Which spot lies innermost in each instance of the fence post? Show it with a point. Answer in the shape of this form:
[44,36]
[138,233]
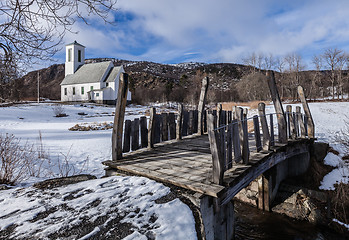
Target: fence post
[179,122]
[119,117]
[219,115]
[282,127]
[264,123]
[310,121]
[127,134]
[151,127]
[135,134]
[201,107]
[164,129]
[217,155]
[243,133]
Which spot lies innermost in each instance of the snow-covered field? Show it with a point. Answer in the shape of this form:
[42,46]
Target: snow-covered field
[29,121]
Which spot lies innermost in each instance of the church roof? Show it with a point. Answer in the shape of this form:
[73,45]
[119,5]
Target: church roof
[88,73]
[75,43]
[113,74]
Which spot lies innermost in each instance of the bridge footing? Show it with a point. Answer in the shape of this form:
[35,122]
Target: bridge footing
[218,221]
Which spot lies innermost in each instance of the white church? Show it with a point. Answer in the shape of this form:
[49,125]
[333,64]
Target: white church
[95,82]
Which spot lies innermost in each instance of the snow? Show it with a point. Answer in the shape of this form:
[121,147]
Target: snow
[339,222]
[125,199]
[174,220]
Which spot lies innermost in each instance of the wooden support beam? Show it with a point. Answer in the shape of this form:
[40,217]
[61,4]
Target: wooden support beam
[310,121]
[201,106]
[272,135]
[217,155]
[151,128]
[179,122]
[264,123]
[282,126]
[119,117]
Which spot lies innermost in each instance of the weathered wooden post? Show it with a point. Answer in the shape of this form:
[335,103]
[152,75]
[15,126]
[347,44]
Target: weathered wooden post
[179,122]
[219,115]
[119,117]
[151,127]
[127,136]
[282,125]
[310,121]
[144,132]
[243,133]
[216,150]
[292,128]
[135,134]
[264,123]
[201,106]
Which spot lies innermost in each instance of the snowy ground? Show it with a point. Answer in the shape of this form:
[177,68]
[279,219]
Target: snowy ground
[20,206]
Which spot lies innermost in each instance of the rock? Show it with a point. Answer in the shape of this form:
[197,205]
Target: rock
[4,187]
[58,182]
[303,205]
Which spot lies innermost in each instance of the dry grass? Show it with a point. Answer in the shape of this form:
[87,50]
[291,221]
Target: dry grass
[228,106]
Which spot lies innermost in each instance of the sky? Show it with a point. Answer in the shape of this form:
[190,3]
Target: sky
[215,31]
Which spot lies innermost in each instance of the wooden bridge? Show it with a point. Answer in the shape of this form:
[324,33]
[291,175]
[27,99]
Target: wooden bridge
[213,152]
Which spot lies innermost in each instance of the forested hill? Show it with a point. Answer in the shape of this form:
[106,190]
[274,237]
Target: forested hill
[151,82]
[145,78]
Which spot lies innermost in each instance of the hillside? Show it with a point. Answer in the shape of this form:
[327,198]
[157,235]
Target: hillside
[145,79]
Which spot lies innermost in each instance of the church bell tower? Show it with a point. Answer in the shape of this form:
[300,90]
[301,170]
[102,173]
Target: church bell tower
[74,57]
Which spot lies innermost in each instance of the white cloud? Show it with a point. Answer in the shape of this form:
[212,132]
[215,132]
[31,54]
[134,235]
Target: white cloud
[221,30]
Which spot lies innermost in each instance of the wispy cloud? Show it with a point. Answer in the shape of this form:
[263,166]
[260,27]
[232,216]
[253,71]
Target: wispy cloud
[217,31]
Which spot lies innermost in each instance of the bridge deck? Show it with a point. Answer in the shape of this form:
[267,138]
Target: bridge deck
[186,163]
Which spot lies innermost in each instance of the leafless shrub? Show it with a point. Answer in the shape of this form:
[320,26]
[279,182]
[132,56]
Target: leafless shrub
[16,159]
[67,168]
[59,111]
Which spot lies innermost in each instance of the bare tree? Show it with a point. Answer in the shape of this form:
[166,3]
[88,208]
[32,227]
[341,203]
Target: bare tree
[32,29]
[316,79]
[332,58]
[269,61]
[295,66]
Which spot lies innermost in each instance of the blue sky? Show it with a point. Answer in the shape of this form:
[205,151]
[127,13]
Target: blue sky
[212,31]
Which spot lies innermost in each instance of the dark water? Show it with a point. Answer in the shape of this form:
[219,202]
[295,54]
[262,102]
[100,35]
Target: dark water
[250,223]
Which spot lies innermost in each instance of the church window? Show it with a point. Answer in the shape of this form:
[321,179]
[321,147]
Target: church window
[82,90]
[65,91]
[73,90]
[69,55]
[79,55]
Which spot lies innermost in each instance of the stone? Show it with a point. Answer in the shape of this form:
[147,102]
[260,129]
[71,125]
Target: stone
[58,182]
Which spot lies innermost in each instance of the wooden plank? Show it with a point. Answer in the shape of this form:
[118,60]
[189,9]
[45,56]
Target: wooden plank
[172,125]
[164,127]
[205,121]
[119,117]
[236,141]
[135,134]
[151,129]
[179,122]
[245,145]
[201,106]
[300,122]
[229,139]
[217,155]
[292,128]
[264,123]
[185,123]
[219,115]
[229,117]
[195,122]
[191,122]
[272,136]
[144,132]
[157,128]
[310,121]
[127,136]
[257,133]
[282,126]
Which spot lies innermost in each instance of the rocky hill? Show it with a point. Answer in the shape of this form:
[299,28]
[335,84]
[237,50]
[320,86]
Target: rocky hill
[149,81]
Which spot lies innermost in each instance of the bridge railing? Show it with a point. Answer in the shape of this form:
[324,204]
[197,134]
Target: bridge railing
[233,139]
[144,132]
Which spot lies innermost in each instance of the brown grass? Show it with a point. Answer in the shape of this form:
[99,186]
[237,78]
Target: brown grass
[228,106]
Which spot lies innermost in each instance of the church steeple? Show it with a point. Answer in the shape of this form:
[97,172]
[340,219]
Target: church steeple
[74,57]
